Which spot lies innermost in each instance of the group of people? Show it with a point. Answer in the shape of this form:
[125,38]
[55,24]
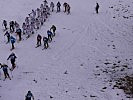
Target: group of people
[65,5]
[14,27]
[66,8]
[32,22]
[36,19]
[46,40]
[5,68]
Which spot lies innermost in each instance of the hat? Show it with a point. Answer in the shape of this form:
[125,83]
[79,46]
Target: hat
[29,91]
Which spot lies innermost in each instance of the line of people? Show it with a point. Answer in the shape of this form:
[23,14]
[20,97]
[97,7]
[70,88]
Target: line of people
[14,27]
[65,5]
[36,19]
[32,23]
[46,40]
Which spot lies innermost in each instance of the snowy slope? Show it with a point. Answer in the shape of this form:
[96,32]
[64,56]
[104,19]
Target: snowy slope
[83,41]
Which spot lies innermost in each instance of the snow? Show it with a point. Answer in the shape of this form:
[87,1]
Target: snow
[83,41]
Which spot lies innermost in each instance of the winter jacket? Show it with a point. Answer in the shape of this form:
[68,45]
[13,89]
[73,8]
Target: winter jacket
[12,39]
[49,32]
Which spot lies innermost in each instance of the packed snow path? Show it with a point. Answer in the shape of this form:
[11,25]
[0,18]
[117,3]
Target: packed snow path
[65,71]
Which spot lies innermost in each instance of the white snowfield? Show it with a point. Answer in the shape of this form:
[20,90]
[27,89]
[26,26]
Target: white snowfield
[66,70]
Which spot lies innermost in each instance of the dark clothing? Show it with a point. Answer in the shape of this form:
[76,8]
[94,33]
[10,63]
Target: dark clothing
[12,58]
[13,47]
[5,70]
[45,40]
[29,96]
[8,36]
[54,29]
[13,40]
[19,32]
[39,38]
[65,6]
[49,35]
[97,7]
[12,26]
[52,6]
[68,8]
[58,7]
[5,24]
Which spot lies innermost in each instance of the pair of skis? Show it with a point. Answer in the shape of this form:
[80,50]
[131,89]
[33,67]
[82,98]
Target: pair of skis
[39,46]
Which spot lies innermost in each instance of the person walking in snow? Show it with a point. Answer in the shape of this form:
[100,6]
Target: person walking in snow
[24,28]
[16,25]
[32,27]
[38,12]
[8,36]
[28,31]
[11,26]
[5,24]
[48,10]
[58,6]
[5,70]
[27,21]
[19,32]
[52,6]
[65,6]
[29,96]
[45,41]
[12,58]
[68,8]
[97,8]
[53,28]
[45,3]
[41,7]
[49,33]
[33,13]
[37,23]
[41,19]
[45,14]
[13,40]
[39,38]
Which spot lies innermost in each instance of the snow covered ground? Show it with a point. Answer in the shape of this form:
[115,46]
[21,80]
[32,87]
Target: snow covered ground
[71,68]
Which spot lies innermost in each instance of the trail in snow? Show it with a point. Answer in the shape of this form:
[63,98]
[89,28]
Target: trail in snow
[81,44]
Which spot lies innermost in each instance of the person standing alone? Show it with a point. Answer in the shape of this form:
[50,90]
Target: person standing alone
[97,8]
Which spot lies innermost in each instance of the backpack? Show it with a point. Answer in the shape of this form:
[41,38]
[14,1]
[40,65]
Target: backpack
[45,39]
[13,40]
[49,32]
[5,68]
[28,96]
[19,30]
[12,58]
